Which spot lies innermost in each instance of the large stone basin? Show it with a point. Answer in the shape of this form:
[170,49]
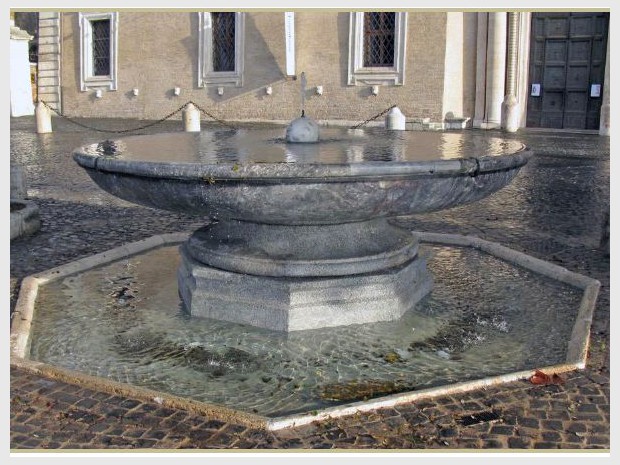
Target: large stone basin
[301,237]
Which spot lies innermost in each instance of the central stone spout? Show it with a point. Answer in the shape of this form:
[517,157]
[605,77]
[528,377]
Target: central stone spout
[302,129]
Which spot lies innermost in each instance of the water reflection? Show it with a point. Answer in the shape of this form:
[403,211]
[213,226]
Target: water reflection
[337,145]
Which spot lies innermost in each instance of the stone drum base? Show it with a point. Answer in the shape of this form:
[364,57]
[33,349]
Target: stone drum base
[299,303]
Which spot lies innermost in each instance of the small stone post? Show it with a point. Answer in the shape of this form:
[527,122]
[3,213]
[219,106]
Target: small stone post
[395,120]
[191,118]
[43,118]
[18,185]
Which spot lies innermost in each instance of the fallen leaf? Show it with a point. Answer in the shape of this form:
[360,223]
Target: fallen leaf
[541,378]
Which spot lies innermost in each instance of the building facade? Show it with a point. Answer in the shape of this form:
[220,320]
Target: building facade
[442,69]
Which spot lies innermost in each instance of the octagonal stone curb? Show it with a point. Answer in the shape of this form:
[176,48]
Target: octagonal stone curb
[24,313]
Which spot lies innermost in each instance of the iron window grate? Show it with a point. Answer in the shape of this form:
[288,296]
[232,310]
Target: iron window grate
[223,41]
[379,35]
[101,47]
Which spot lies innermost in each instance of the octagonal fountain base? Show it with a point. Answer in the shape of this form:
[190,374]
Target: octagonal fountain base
[292,304]
[290,278]
[113,322]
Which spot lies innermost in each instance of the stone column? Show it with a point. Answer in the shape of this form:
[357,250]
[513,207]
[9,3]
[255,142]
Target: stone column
[481,66]
[510,106]
[20,86]
[496,68]
[605,109]
[490,79]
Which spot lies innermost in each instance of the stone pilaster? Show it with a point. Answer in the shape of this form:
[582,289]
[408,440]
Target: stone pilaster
[491,69]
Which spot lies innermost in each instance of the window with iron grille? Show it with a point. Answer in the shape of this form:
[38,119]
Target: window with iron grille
[221,39]
[377,48]
[99,49]
[379,39]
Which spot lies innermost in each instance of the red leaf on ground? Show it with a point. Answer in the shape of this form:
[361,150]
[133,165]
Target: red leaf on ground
[540,378]
[543,378]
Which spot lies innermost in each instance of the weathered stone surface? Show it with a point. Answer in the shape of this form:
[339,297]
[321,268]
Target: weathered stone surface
[303,194]
[292,304]
[303,251]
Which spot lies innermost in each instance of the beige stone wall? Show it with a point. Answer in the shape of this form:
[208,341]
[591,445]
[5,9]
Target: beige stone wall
[158,51]
[460,64]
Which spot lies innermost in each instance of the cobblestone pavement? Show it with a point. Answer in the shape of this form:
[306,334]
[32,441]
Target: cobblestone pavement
[553,210]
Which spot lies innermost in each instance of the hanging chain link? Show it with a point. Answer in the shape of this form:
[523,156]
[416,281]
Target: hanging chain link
[139,128]
[206,113]
[364,123]
[181,108]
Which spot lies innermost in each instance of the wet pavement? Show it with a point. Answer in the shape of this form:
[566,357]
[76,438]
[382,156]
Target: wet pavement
[553,210]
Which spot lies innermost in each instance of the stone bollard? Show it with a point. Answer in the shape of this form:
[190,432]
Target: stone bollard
[395,120]
[191,118]
[43,118]
[18,185]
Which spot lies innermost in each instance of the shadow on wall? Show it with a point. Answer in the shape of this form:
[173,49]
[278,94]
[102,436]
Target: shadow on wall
[191,45]
[343,46]
[261,69]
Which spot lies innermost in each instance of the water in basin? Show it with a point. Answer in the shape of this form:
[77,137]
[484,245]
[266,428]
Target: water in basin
[336,145]
[124,321]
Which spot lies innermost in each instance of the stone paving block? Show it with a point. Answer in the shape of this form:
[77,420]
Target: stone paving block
[505,430]
[558,415]
[234,429]
[576,427]
[553,425]
[518,443]
[599,440]
[126,403]
[213,424]
[86,403]
[551,436]
[594,417]
[493,444]
[546,445]
[134,433]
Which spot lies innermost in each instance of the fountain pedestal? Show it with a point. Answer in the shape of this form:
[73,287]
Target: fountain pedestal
[289,278]
[301,242]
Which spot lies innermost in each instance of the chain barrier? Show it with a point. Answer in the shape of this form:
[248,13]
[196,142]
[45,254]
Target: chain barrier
[181,108]
[364,123]
[206,113]
[140,128]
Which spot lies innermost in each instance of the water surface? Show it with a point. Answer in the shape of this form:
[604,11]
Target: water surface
[125,322]
[336,145]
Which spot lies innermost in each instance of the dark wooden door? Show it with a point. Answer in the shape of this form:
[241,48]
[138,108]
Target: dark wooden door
[567,69]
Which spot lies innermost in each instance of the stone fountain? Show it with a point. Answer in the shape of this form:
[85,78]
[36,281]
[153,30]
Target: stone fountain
[299,239]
